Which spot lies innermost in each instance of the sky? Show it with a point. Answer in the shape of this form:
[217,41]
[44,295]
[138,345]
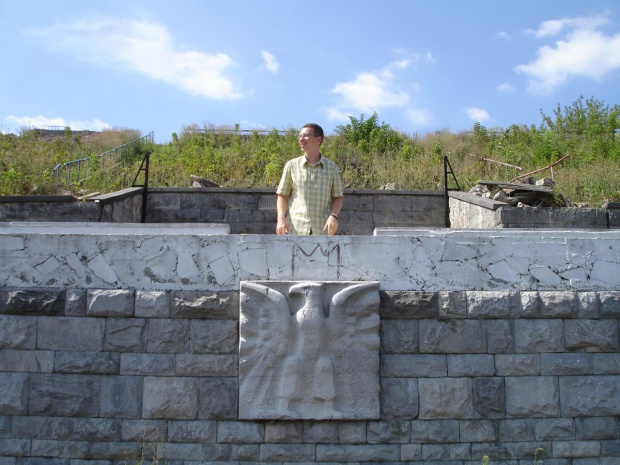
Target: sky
[422,65]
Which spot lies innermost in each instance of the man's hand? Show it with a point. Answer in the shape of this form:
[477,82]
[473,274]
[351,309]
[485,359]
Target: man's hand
[281,228]
[331,226]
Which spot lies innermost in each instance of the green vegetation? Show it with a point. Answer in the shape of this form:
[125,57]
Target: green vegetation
[370,154]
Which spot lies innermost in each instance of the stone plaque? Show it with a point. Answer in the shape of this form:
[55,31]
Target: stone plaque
[309,350]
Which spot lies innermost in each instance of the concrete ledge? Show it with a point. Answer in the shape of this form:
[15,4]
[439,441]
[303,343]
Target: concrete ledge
[476,200]
[116,196]
[105,229]
[36,198]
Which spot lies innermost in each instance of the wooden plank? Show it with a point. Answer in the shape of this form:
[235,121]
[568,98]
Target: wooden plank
[517,186]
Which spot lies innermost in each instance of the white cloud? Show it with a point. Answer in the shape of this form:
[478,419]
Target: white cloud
[144,48]
[583,51]
[478,114]
[504,35]
[43,121]
[271,63]
[419,117]
[505,87]
[370,91]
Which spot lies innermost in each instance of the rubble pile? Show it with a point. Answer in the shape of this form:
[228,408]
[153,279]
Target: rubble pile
[530,193]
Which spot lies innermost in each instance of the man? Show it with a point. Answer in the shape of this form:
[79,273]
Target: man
[310,188]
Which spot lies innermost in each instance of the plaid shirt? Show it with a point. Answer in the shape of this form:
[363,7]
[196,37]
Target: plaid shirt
[310,190]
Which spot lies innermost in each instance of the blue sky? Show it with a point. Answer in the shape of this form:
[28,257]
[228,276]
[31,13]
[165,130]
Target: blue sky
[422,66]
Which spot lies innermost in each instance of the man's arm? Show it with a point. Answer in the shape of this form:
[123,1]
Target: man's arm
[331,225]
[281,206]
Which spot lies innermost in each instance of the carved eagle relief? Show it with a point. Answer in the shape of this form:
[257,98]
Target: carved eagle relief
[309,350]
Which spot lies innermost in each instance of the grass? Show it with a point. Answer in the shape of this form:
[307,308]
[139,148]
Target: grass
[256,161]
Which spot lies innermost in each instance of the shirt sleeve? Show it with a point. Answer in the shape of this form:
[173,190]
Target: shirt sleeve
[337,190]
[286,182]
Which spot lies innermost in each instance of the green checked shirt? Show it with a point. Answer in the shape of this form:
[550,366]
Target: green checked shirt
[310,190]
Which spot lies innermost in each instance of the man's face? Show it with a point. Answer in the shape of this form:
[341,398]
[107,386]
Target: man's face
[307,140]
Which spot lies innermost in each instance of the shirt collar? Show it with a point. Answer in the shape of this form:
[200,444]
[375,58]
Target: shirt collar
[306,162]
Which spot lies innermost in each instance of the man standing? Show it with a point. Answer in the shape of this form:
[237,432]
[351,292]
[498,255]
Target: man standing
[310,188]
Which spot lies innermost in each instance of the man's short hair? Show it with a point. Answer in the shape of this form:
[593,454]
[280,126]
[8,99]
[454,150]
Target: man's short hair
[318,130]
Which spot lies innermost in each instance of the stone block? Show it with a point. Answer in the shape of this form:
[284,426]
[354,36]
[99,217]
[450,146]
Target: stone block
[214,336]
[5,426]
[413,366]
[609,304]
[532,396]
[443,398]
[70,333]
[44,448]
[552,429]
[144,431]
[357,453]
[452,336]
[206,365]
[590,395]
[32,302]
[518,429]
[500,336]
[182,452]
[287,452]
[75,302]
[435,453]
[125,334]
[14,389]
[96,363]
[530,304]
[409,304]
[526,452]
[15,447]
[18,332]
[218,398]
[29,361]
[388,432]
[606,364]
[399,398]
[411,452]
[320,432]
[452,304]
[27,427]
[152,304]
[610,448]
[566,364]
[596,428]
[322,363]
[110,302]
[537,336]
[434,431]
[147,364]
[286,432]
[558,304]
[591,335]
[399,337]
[192,431]
[217,453]
[64,395]
[201,304]
[87,429]
[478,431]
[121,397]
[350,432]
[517,364]
[471,365]
[489,398]
[170,398]
[238,432]
[460,452]
[493,304]
[571,449]
[587,305]
[168,336]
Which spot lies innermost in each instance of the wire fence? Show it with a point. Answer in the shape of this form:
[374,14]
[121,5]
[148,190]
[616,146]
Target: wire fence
[78,170]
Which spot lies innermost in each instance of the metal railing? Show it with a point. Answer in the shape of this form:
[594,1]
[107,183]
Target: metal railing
[73,170]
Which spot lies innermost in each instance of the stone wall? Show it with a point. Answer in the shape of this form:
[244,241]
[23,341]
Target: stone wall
[472,211]
[491,343]
[87,374]
[253,211]
[124,206]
